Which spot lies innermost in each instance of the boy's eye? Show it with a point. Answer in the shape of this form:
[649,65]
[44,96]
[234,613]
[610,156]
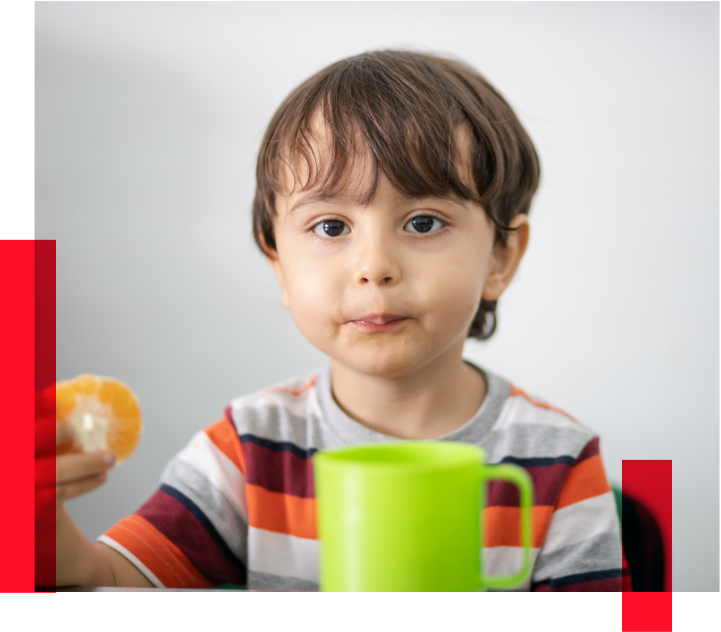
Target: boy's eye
[424,224]
[331,228]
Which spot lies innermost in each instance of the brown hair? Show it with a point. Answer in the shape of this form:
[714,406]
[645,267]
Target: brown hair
[405,107]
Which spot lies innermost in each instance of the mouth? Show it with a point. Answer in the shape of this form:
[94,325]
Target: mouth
[378,322]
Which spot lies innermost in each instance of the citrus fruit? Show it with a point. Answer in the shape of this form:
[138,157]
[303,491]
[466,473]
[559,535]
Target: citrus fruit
[103,412]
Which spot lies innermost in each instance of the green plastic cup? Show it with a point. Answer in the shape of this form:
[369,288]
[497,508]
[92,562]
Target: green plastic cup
[407,517]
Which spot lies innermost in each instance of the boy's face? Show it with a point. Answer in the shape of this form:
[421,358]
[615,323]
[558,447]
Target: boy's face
[388,288]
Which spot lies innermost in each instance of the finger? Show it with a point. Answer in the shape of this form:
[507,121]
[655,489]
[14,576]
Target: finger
[65,438]
[72,467]
[63,433]
[79,487]
[67,447]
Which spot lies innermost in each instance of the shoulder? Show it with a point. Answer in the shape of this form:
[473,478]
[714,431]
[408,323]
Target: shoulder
[522,407]
[278,413]
[275,417]
[286,392]
[530,426]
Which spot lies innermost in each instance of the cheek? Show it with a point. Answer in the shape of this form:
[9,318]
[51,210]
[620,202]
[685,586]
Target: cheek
[312,294]
[456,293]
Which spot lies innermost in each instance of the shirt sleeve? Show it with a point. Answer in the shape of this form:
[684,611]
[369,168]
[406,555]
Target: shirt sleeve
[192,532]
[582,548]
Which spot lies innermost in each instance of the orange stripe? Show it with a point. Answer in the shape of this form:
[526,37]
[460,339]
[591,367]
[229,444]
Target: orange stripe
[503,525]
[295,393]
[226,439]
[281,513]
[165,560]
[585,480]
[515,391]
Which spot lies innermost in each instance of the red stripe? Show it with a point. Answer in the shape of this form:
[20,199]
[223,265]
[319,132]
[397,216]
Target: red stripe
[591,449]
[171,518]
[547,481]
[278,470]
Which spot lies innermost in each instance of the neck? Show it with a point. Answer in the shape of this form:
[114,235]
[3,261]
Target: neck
[426,404]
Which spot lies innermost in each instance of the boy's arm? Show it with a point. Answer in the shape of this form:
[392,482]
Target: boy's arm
[79,562]
[124,571]
[582,546]
[192,532]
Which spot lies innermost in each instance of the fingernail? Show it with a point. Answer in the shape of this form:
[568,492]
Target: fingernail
[109,458]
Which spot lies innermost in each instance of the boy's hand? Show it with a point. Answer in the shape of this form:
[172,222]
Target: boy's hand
[67,471]
[63,554]
[76,472]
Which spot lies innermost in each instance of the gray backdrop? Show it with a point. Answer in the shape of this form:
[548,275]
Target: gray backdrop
[149,117]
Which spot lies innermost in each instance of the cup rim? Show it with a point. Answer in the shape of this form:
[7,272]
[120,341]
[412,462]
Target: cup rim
[448,455]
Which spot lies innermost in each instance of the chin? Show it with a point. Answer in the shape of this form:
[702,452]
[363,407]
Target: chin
[387,363]
[381,355]
[386,370]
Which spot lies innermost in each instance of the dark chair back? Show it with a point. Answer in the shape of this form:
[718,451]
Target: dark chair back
[642,544]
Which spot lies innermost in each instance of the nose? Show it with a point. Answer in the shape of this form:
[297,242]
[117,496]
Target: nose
[377,262]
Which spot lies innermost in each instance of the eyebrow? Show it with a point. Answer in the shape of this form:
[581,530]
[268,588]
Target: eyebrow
[320,197]
[314,197]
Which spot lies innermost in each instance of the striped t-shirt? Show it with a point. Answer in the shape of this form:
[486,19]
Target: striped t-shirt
[237,505]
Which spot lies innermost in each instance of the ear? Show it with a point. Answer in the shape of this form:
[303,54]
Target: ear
[273,259]
[505,259]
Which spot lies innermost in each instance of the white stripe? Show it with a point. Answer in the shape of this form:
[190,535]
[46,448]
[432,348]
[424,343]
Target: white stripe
[506,561]
[518,410]
[208,459]
[295,406]
[141,567]
[298,406]
[282,554]
[581,521]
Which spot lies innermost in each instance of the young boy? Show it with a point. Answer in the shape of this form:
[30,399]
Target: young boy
[392,197]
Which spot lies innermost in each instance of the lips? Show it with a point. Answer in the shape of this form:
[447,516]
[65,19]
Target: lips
[379,322]
[379,319]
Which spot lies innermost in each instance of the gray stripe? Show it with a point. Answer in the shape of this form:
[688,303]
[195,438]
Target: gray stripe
[536,441]
[221,513]
[594,554]
[266,581]
[276,423]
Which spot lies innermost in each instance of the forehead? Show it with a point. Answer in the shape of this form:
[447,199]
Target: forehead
[318,171]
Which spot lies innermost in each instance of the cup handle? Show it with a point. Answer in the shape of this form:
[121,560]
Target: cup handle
[519,477]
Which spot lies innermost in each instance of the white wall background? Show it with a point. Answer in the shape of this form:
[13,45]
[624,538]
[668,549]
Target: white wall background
[148,120]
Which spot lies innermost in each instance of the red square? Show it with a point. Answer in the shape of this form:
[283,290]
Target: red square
[646,612]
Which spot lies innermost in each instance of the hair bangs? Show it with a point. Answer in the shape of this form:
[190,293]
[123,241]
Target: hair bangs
[348,138]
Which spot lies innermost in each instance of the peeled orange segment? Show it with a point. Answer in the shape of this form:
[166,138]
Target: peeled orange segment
[103,412]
